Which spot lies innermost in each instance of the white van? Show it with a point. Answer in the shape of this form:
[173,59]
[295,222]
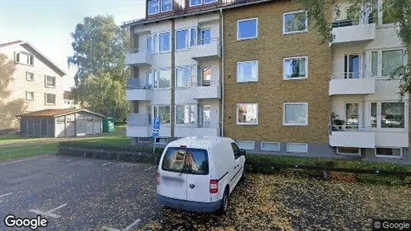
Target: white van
[199,173]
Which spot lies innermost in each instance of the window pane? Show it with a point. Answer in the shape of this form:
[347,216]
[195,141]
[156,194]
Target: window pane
[205,36]
[391,60]
[295,114]
[182,39]
[149,45]
[153,7]
[206,114]
[268,146]
[51,99]
[163,112]
[191,161]
[206,76]
[392,115]
[388,151]
[247,29]
[163,78]
[164,42]
[295,68]
[193,39]
[295,22]
[348,150]
[185,114]
[247,71]
[166,5]
[373,115]
[374,63]
[195,2]
[209,1]
[351,114]
[183,77]
[247,113]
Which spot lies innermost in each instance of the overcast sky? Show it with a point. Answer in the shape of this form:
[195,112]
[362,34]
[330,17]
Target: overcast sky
[47,24]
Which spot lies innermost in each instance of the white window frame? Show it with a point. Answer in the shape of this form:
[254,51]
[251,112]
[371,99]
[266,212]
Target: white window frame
[194,112]
[55,81]
[379,61]
[28,58]
[242,123]
[47,103]
[29,73]
[188,43]
[153,72]
[295,124]
[27,93]
[245,141]
[156,43]
[268,150]
[291,143]
[148,7]
[160,105]
[161,6]
[249,61]
[295,32]
[212,1]
[347,153]
[238,28]
[189,2]
[191,82]
[387,156]
[306,67]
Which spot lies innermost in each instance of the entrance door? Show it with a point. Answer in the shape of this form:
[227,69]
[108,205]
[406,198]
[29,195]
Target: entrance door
[352,66]
[352,115]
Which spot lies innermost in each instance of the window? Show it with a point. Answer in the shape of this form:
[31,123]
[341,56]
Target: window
[25,58]
[185,114]
[374,63]
[351,66]
[247,29]
[166,5]
[247,145]
[50,99]
[270,146]
[236,150]
[153,7]
[185,76]
[182,39]
[161,140]
[247,71]
[209,1]
[160,79]
[373,115]
[196,2]
[388,152]
[164,42]
[186,160]
[205,36]
[247,114]
[295,22]
[204,113]
[392,115]
[349,150]
[205,76]
[297,147]
[29,76]
[29,95]
[295,114]
[295,68]
[163,112]
[351,115]
[391,60]
[50,81]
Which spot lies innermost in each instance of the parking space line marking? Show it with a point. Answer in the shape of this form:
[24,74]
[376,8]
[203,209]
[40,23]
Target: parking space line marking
[69,160]
[106,163]
[132,225]
[149,168]
[17,161]
[5,194]
[48,213]
[109,229]
[61,206]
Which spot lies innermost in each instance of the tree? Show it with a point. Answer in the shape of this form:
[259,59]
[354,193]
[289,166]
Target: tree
[397,11]
[99,53]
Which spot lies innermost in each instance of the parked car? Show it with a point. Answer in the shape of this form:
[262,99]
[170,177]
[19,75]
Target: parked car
[199,173]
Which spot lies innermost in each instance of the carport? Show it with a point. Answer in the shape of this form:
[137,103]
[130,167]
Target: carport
[60,123]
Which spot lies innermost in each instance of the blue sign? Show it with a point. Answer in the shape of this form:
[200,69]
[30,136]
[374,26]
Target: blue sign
[156,127]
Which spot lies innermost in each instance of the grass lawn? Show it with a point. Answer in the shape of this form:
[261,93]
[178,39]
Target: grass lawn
[21,151]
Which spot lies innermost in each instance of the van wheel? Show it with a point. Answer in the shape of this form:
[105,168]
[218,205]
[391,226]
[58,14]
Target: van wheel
[224,203]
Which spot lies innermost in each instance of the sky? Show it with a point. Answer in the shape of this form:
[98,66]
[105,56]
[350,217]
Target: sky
[47,24]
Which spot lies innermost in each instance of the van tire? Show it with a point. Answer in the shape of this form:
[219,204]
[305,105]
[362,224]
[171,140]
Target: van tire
[224,203]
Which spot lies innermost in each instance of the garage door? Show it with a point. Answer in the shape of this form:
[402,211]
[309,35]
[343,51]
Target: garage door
[97,126]
[89,126]
[81,127]
[70,128]
[60,127]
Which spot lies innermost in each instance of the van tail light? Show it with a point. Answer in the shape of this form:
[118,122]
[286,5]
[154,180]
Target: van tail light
[213,186]
[158,178]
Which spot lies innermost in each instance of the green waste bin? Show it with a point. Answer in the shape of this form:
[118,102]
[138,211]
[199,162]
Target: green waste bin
[108,124]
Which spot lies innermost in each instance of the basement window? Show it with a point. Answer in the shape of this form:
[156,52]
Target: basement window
[247,145]
[348,150]
[388,152]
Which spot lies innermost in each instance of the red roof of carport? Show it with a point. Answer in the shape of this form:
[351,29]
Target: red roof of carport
[49,112]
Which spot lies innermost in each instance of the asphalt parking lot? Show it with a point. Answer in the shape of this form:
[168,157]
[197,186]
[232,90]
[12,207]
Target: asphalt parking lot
[78,193]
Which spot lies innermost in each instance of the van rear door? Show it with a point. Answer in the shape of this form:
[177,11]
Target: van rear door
[198,176]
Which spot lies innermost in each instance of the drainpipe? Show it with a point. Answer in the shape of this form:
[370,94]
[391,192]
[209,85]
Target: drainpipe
[222,71]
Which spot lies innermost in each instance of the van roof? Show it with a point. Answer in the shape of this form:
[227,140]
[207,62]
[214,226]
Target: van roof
[199,141]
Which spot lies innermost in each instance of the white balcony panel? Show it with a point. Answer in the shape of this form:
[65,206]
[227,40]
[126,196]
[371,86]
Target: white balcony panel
[352,139]
[207,50]
[184,131]
[184,96]
[139,94]
[139,58]
[391,139]
[139,131]
[358,86]
[354,33]
[207,92]
[161,97]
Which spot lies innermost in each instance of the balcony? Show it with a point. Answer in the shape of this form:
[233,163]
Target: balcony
[196,130]
[346,31]
[207,90]
[351,83]
[352,136]
[207,48]
[137,91]
[138,125]
[139,58]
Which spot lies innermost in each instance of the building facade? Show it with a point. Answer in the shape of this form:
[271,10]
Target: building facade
[284,91]
[36,84]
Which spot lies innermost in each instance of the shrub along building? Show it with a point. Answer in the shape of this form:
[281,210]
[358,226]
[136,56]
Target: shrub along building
[283,90]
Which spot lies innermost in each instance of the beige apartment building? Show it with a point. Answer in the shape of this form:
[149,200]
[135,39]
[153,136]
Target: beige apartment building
[36,84]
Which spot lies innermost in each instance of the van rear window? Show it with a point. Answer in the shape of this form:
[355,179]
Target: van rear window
[186,160]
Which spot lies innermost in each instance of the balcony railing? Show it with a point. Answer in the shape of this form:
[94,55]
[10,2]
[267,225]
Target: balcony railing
[206,48]
[350,128]
[351,75]
[349,83]
[138,120]
[135,83]
[139,57]
[352,22]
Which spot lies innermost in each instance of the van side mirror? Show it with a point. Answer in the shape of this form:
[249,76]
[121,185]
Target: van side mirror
[242,151]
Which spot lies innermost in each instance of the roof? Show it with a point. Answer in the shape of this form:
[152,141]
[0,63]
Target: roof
[199,141]
[56,112]
[31,47]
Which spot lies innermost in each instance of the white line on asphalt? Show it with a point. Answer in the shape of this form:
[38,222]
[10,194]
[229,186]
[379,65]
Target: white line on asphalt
[48,213]
[61,206]
[5,194]
[69,160]
[132,225]
[106,163]
[17,161]
[109,229]
[150,168]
